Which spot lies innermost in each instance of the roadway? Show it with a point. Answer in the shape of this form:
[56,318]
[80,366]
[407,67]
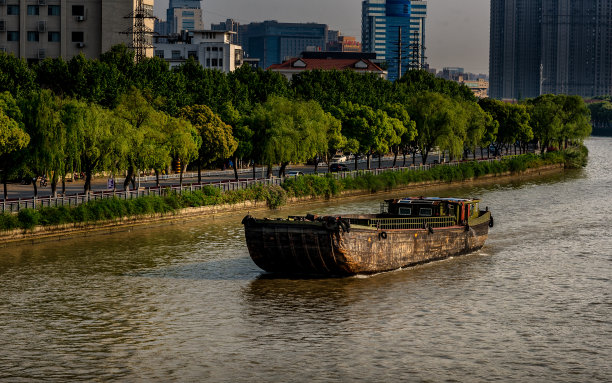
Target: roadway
[18,191]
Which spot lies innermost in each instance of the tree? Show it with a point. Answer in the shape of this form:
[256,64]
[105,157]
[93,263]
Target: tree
[373,129]
[136,110]
[182,140]
[241,133]
[399,112]
[576,119]
[289,131]
[417,81]
[12,136]
[514,122]
[41,117]
[218,143]
[436,116]
[477,121]
[332,88]
[15,76]
[546,119]
[100,137]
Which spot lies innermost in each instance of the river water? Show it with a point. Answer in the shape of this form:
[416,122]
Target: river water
[185,303]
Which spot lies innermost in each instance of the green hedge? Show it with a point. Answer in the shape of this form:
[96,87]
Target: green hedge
[276,196]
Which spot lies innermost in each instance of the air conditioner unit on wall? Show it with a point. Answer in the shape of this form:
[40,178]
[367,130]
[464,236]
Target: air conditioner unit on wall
[42,2]
[42,54]
[79,18]
[81,45]
[42,26]
[2,26]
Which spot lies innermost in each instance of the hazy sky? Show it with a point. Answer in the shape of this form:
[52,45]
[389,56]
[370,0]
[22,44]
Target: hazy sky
[457,30]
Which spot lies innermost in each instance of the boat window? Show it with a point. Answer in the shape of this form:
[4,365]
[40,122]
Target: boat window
[425,212]
[405,211]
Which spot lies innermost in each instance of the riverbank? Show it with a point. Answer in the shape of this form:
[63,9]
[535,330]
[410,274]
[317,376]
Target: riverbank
[40,234]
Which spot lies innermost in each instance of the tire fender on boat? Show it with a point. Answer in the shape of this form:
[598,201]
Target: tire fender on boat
[382,235]
[491,222]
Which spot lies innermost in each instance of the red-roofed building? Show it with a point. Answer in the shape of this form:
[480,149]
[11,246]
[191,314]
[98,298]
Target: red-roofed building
[297,65]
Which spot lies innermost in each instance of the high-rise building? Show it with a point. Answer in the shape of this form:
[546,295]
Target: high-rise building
[273,42]
[577,47]
[34,30]
[514,56]
[183,15]
[395,31]
[550,46]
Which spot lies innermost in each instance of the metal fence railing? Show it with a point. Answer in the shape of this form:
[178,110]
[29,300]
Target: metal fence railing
[404,223]
[13,206]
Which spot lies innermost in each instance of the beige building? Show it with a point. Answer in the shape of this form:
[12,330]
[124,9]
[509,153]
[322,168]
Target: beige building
[37,29]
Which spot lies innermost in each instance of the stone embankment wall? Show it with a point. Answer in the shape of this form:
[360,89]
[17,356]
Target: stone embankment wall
[59,232]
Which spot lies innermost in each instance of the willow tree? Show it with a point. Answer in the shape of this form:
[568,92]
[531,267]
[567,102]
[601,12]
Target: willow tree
[288,131]
[217,141]
[12,139]
[46,152]
[439,122]
[181,141]
[140,115]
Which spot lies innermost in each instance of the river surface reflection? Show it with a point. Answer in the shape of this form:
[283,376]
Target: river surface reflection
[185,303]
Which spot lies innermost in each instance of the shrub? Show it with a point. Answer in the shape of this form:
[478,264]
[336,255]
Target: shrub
[8,221]
[277,197]
[28,218]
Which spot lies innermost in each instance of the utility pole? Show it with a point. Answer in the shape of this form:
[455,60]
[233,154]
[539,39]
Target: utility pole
[416,58]
[141,34]
[399,53]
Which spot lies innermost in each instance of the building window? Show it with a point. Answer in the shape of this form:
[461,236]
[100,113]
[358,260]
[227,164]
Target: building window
[215,49]
[33,36]
[54,10]
[12,10]
[12,36]
[33,10]
[207,49]
[208,62]
[220,62]
[176,55]
[53,37]
[220,49]
[214,62]
[193,54]
[159,53]
[78,10]
[78,37]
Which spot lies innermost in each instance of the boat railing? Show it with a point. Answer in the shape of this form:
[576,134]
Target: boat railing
[404,223]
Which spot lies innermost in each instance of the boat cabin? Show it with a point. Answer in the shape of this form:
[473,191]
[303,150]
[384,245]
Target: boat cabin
[422,207]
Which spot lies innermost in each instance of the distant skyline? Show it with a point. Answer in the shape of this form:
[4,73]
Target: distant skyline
[457,31]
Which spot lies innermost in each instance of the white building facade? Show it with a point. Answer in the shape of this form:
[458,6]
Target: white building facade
[212,49]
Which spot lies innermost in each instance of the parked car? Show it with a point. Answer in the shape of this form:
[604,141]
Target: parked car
[338,168]
[294,173]
[338,158]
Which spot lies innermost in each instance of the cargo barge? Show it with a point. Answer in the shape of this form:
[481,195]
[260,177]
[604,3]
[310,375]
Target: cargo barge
[406,232]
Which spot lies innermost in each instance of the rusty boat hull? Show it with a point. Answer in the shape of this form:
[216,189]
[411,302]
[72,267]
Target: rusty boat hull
[313,248]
